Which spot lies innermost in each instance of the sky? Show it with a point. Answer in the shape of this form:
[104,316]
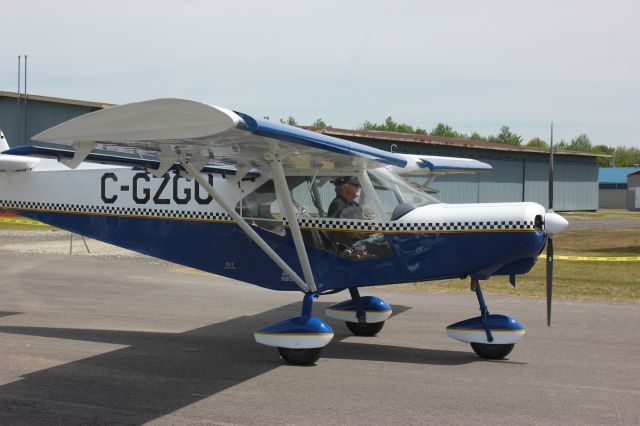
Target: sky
[474,65]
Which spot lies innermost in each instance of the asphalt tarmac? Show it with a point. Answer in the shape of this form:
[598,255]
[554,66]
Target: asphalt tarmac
[119,341]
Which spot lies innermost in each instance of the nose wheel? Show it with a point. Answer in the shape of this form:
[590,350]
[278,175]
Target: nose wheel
[365,329]
[489,351]
[363,315]
[490,336]
[300,356]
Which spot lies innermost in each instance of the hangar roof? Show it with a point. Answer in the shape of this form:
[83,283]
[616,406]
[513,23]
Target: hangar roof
[57,100]
[439,140]
[615,174]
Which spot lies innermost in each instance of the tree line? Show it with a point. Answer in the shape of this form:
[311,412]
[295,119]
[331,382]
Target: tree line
[622,156]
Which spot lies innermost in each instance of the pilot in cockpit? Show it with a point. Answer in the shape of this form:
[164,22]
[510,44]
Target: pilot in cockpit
[344,205]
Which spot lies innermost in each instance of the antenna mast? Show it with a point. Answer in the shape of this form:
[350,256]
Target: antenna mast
[18,110]
[24,142]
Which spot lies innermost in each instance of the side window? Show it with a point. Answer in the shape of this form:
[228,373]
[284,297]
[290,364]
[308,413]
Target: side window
[330,196]
[323,197]
[260,208]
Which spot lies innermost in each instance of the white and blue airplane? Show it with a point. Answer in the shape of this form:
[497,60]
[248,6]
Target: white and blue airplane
[227,193]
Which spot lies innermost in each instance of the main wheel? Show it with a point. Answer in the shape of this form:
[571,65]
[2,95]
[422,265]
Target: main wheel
[300,356]
[366,329]
[489,351]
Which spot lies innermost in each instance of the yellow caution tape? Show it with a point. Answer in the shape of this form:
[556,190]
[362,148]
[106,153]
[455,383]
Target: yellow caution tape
[20,221]
[597,258]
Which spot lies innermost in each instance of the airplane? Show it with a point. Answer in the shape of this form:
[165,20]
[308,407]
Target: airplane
[231,194]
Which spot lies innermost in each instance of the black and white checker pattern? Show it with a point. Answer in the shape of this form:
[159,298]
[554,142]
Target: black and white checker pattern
[115,211]
[361,225]
[305,223]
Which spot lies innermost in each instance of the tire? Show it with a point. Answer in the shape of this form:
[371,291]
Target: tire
[367,329]
[300,356]
[489,351]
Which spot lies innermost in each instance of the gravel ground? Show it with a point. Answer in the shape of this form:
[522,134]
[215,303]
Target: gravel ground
[59,242]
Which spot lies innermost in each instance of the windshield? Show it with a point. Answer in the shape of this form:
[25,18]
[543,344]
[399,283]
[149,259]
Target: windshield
[398,195]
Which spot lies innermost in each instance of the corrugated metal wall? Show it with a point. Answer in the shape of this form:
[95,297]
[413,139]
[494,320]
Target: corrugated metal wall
[39,116]
[575,185]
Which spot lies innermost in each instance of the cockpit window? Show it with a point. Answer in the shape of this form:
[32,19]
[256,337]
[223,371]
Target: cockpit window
[260,208]
[318,196]
[313,197]
[398,196]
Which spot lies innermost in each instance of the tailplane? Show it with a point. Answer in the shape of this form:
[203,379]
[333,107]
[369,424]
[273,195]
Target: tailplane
[3,142]
[14,163]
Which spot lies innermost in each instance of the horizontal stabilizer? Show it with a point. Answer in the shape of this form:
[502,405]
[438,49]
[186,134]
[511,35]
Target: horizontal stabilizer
[13,163]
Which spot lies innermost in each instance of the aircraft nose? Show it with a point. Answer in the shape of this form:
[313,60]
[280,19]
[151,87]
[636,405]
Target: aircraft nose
[554,223]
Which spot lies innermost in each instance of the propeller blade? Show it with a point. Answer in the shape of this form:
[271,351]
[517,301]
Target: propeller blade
[551,170]
[548,219]
[549,278]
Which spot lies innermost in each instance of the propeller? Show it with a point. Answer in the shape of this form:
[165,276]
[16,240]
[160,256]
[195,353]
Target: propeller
[553,223]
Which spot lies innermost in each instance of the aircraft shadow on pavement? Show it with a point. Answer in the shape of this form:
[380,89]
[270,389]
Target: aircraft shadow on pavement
[159,373]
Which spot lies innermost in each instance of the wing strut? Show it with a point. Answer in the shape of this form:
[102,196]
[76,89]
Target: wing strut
[195,173]
[363,177]
[284,195]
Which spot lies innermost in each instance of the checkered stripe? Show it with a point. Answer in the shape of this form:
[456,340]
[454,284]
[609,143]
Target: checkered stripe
[361,225]
[113,210]
[324,223]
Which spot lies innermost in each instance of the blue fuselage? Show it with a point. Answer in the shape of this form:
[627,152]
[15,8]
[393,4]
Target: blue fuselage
[221,247]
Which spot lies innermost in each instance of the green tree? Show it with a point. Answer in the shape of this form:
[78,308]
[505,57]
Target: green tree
[291,121]
[477,137]
[561,146]
[626,156]
[446,131]
[603,149]
[537,143]
[580,143]
[443,130]
[506,136]
[389,125]
[320,123]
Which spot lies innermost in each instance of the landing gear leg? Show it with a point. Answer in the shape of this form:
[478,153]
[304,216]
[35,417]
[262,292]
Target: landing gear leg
[487,350]
[307,356]
[362,327]
[299,340]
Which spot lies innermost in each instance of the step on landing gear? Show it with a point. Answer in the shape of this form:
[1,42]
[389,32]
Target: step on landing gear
[490,336]
[299,340]
[364,316]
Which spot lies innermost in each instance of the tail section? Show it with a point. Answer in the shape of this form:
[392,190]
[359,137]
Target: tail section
[3,142]
[14,163]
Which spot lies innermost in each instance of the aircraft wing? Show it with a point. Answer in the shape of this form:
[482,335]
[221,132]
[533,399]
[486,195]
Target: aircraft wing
[169,128]
[434,165]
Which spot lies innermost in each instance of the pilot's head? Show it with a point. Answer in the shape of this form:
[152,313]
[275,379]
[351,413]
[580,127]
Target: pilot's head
[347,187]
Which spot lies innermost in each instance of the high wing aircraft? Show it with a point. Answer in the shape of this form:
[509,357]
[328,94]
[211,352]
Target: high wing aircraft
[250,199]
